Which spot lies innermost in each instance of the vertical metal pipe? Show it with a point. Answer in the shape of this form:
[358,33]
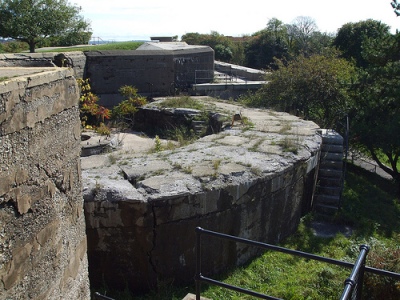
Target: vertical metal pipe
[198,261]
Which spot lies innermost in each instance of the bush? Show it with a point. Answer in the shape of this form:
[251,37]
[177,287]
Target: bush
[13,47]
[124,112]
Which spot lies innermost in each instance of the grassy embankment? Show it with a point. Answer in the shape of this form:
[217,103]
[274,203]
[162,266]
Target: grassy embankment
[103,47]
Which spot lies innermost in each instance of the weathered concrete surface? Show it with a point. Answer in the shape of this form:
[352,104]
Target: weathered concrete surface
[142,209]
[76,60]
[152,72]
[42,228]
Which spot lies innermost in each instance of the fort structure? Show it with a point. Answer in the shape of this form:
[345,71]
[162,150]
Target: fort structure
[127,219]
[43,246]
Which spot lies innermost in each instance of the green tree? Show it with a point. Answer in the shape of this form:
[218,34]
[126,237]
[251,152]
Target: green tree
[375,118]
[32,21]
[315,87]
[223,46]
[350,38]
[266,45]
[192,38]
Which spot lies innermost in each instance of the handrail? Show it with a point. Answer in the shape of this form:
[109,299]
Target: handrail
[200,278]
[353,284]
[98,296]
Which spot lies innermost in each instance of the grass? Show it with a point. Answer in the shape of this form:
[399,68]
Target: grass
[182,102]
[103,47]
[370,207]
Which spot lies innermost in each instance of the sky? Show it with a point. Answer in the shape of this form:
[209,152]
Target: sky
[125,20]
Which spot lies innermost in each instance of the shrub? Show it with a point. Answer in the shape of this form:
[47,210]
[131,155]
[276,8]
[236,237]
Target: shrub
[124,112]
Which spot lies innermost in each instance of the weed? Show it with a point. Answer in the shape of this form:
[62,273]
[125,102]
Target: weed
[216,164]
[182,102]
[285,127]
[289,145]
[182,134]
[187,170]
[158,172]
[112,158]
[255,146]
[247,123]
[157,144]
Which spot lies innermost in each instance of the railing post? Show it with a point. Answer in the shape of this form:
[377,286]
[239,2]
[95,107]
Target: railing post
[353,284]
[360,281]
[198,261]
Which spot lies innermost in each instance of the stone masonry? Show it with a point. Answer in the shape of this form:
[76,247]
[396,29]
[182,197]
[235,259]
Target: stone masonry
[42,227]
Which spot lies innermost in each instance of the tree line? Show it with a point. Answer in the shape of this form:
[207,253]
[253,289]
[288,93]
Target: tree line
[351,77]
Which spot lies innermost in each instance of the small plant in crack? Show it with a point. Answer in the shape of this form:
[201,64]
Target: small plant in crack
[285,127]
[257,144]
[187,170]
[157,144]
[112,158]
[216,163]
[97,189]
[158,172]
[289,145]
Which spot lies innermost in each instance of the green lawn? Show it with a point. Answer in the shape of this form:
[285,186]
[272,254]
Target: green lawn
[103,47]
[370,207]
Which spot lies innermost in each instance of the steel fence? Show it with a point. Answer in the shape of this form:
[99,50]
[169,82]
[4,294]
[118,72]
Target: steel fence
[352,288]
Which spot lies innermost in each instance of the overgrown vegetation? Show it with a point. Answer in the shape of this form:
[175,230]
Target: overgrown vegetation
[91,113]
[182,102]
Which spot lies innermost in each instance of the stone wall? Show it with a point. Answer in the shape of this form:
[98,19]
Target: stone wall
[42,228]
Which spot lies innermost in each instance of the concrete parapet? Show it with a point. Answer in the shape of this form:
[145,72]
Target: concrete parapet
[42,241]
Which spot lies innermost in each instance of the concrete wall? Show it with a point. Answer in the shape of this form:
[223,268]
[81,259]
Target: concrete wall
[42,228]
[153,73]
[134,244]
[75,60]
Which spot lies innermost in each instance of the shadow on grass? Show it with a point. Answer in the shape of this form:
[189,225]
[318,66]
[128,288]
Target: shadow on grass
[370,203]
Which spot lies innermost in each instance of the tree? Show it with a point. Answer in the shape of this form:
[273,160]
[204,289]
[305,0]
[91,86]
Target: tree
[376,113]
[266,45]
[31,21]
[314,87]
[299,35]
[224,47]
[351,36]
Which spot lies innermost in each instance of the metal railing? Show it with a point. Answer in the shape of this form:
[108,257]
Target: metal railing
[353,285]
[98,296]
